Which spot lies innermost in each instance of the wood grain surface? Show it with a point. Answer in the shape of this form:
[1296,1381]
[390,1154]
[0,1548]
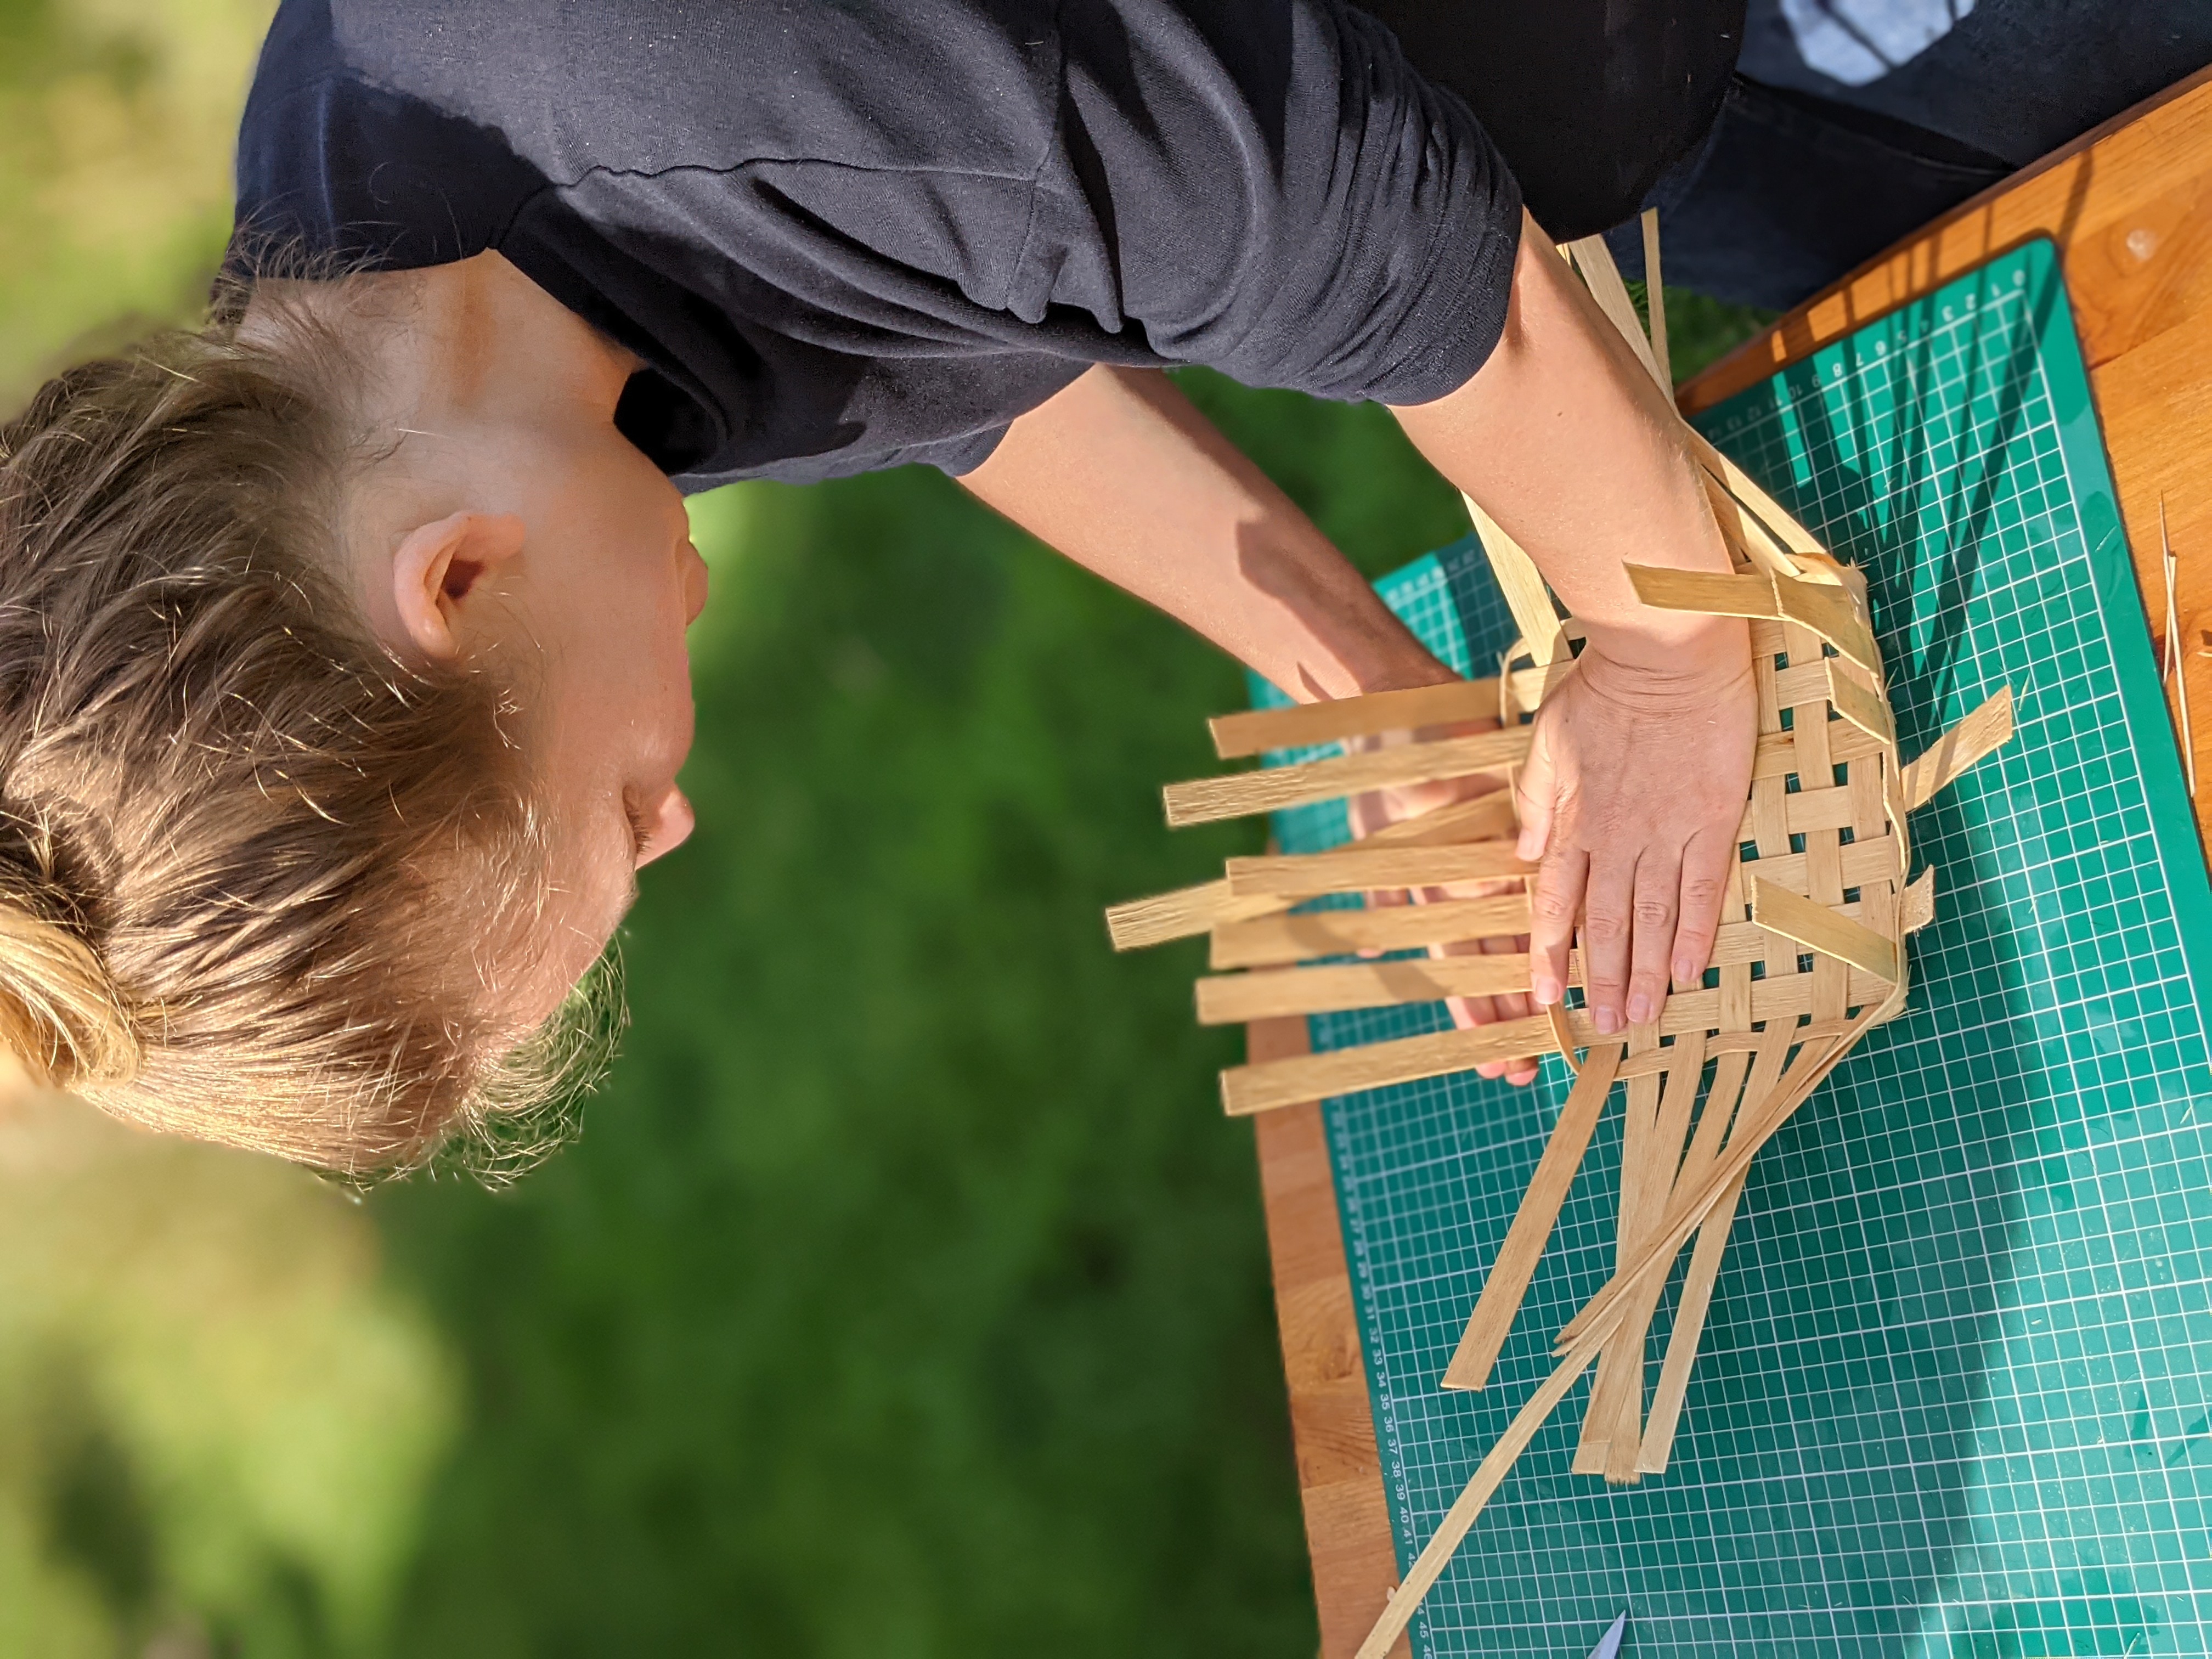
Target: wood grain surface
[1355,1564]
[2130,207]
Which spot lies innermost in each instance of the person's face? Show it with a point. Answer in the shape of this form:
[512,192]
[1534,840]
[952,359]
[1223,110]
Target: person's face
[606,584]
[572,572]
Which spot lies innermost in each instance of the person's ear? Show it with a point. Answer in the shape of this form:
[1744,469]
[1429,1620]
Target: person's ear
[438,566]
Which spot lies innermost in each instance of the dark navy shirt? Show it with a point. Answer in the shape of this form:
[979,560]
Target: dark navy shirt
[847,233]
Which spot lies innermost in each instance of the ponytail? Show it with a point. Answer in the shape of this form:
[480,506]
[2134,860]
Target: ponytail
[235,830]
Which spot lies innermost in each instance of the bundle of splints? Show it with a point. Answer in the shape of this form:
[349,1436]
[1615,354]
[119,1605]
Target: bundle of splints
[1810,954]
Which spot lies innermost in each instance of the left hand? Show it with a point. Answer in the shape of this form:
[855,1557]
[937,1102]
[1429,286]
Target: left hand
[1377,808]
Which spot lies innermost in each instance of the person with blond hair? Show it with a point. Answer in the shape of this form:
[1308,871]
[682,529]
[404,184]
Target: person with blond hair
[343,686]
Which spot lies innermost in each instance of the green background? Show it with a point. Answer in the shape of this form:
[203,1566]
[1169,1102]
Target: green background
[905,1293]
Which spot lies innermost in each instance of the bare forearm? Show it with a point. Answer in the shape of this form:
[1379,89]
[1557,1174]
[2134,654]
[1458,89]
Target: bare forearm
[1121,474]
[1566,441]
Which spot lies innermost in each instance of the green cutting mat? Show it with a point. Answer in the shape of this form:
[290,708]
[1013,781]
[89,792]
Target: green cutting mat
[1952,1396]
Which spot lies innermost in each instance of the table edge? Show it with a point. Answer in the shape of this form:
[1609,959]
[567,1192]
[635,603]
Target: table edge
[1339,1465]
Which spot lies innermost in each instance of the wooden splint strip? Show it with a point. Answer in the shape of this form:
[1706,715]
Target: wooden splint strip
[1307,725]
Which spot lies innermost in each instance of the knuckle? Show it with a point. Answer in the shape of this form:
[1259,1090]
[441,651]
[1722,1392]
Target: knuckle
[1552,906]
[1653,913]
[1602,927]
[1701,891]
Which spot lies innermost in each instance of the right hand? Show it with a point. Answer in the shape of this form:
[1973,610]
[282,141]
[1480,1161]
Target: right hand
[1633,798]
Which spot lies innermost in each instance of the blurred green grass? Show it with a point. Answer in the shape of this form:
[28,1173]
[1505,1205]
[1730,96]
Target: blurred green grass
[906,1293]
[116,121]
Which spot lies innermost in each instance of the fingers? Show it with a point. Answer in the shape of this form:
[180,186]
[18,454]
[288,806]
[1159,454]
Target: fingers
[1556,897]
[1468,1012]
[1551,911]
[1643,925]
[1516,1007]
[1704,882]
[1386,898]
[1658,885]
[1366,812]
[1535,795]
[1487,887]
[1417,800]
[1608,904]
[1512,1005]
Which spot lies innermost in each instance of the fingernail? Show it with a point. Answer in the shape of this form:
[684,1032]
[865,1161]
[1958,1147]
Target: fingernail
[1544,989]
[1608,1022]
[1639,1008]
[1686,973]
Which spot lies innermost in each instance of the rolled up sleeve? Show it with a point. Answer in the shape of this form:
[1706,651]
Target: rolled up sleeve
[1266,187]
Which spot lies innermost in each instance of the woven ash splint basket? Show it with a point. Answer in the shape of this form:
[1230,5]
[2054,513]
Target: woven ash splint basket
[1810,954]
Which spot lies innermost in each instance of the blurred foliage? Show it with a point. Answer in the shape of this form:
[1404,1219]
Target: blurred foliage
[116,125]
[215,1421]
[1701,330]
[907,1293]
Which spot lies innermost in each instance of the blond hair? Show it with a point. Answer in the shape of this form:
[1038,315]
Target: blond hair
[238,839]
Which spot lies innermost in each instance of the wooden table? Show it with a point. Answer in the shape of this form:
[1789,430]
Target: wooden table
[2130,207]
